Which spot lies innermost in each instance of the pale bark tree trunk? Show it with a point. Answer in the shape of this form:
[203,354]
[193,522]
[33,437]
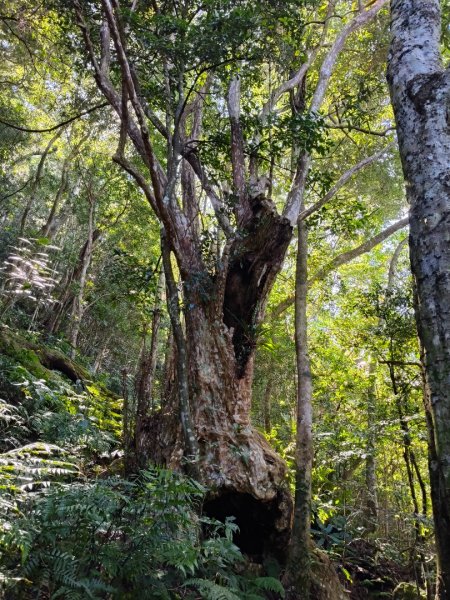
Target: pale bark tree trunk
[67,294]
[55,220]
[298,577]
[36,182]
[50,227]
[420,90]
[77,306]
[371,508]
[101,355]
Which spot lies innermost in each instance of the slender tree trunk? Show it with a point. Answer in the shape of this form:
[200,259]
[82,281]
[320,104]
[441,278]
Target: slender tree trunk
[101,355]
[146,375]
[49,229]
[185,410]
[36,182]
[67,295]
[77,307]
[299,563]
[420,89]
[371,508]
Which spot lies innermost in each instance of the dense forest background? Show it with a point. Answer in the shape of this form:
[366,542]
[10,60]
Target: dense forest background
[94,307]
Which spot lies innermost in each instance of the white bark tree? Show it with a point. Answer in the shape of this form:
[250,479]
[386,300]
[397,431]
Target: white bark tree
[420,91]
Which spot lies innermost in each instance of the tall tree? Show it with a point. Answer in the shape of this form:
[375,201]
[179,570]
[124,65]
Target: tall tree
[151,64]
[420,91]
[299,563]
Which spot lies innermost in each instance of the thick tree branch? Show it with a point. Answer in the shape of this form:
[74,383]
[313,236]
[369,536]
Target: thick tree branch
[115,32]
[343,180]
[342,259]
[331,58]
[296,194]
[394,262]
[237,147]
[350,127]
[367,246]
[286,86]
[59,125]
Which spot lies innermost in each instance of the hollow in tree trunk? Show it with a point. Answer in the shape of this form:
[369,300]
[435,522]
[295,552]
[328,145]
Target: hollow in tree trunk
[221,319]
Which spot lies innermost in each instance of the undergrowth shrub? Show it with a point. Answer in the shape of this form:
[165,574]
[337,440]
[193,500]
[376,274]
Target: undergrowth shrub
[65,534]
[122,539]
[55,412]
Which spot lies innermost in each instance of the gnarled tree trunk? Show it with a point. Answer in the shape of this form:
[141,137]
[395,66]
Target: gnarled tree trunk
[222,311]
[246,476]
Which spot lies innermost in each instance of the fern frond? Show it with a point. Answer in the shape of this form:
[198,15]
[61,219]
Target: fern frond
[212,591]
[269,584]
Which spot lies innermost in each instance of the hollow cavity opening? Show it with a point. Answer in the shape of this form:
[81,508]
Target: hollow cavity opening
[256,536]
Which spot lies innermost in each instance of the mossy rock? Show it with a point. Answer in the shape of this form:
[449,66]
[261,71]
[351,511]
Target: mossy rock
[325,582]
[38,359]
[53,366]
[406,591]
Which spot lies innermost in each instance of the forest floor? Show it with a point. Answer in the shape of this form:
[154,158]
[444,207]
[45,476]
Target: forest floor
[47,397]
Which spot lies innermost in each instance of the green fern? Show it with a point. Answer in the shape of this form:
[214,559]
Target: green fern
[212,591]
[269,584]
[238,586]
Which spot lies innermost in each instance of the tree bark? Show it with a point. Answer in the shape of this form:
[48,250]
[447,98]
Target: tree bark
[36,182]
[48,230]
[77,306]
[67,294]
[101,355]
[371,508]
[147,361]
[298,577]
[221,319]
[224,306]
[420,89]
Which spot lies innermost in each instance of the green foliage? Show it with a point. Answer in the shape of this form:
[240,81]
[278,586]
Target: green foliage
[331,535]
[240,587]
[111,538]
[82,420]
[118,538]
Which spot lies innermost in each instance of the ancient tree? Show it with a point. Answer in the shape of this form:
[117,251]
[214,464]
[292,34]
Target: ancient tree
[420,90]
[168,72]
